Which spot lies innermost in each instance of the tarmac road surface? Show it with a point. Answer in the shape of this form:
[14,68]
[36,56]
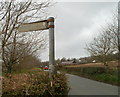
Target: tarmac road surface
[84,86]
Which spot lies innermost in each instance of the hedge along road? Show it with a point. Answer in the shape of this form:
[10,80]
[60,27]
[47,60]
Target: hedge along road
[84,86]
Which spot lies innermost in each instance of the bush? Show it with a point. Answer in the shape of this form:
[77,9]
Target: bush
[94,70]
[60,85]
[34,83]
[86,70]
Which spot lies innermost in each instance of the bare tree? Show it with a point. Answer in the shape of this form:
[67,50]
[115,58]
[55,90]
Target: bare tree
[113,31]
[14,45]
[101,48]
[23,47]
[106,44]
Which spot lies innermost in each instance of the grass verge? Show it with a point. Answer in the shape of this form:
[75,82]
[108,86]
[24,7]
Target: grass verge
[95,73]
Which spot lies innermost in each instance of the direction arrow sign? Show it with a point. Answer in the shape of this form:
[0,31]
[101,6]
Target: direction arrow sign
[34,26]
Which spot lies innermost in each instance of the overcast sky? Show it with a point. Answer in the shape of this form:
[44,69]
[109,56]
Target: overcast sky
[76,23]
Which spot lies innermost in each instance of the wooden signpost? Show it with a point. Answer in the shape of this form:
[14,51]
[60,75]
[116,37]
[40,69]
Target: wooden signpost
[34,26]
[43,25]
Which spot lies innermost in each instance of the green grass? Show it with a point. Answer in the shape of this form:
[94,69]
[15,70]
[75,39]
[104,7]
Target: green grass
[113,79]
[0,73]
[22,71]
[110,78]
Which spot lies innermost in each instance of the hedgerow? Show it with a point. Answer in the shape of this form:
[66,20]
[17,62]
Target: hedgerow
[34,83]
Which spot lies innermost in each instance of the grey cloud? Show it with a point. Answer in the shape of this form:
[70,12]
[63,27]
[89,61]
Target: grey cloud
[75,25]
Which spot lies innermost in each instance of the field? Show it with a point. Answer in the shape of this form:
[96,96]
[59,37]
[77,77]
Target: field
[112,64]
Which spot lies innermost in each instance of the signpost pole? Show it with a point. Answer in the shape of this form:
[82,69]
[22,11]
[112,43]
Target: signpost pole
[51,47]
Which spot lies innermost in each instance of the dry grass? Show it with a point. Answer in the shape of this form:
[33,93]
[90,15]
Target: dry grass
[34,82]
[112,64]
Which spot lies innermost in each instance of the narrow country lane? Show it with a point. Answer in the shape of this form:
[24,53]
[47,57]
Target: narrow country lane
[83,86]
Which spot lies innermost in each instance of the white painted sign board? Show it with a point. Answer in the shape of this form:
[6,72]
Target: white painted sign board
[34,26]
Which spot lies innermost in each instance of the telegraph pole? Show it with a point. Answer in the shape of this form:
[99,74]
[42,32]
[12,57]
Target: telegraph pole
[52,69]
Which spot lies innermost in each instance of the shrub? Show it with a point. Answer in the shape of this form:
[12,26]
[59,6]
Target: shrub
[94,70]
[34,83]
[86,70]
[60,85]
